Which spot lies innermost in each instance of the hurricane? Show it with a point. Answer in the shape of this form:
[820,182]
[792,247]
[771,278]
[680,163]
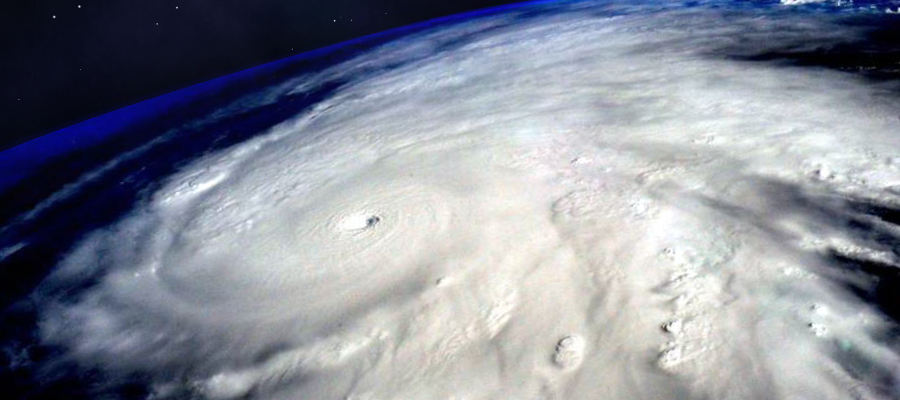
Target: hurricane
[648,200]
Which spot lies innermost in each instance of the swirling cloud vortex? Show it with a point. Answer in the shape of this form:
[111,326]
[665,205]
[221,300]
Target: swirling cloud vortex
[565,206]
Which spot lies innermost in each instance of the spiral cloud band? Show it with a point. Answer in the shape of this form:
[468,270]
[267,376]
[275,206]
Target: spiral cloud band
[566,205]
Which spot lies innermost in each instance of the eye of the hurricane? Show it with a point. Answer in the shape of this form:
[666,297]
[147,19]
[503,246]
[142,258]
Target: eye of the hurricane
[359,222]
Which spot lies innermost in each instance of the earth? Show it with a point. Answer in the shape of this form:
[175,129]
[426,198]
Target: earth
[549,200]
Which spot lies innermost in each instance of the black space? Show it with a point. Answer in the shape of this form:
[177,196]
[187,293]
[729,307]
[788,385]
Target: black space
[108,54]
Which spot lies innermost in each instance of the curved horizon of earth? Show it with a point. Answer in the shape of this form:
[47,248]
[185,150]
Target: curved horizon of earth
[548,200]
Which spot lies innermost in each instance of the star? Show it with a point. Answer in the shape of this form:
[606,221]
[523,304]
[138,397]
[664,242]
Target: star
[79,6]
[54,17]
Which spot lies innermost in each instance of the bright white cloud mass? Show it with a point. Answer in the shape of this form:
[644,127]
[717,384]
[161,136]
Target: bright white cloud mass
[570,205]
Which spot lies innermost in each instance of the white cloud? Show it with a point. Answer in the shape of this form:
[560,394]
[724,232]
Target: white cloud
[569,176]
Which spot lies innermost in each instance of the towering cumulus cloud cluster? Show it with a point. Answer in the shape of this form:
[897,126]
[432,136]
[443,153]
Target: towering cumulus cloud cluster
[567,205]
